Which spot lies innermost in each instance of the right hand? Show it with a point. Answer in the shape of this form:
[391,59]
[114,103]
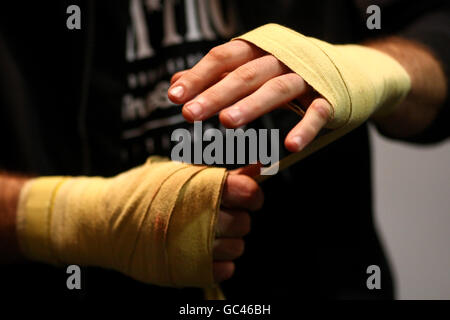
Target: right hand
[241,82]
[240,194]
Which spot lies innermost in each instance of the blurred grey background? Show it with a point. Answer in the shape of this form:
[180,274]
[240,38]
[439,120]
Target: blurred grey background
[412,214]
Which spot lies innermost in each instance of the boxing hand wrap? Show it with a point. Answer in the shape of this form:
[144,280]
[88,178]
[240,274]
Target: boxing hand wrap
[155,223]
[357,81]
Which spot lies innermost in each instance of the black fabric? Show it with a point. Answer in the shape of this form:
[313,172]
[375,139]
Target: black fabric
[306,242]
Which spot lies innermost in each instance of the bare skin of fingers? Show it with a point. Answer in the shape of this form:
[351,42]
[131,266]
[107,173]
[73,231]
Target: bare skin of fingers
[236,85]
[219,60]
[251,170]
[177,76]
[274,93]
[223,270]
[257,83]
[232,224]
[227,248]
[242,192]
[316,117]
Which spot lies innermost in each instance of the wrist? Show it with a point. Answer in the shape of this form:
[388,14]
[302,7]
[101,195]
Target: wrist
[34,218]
[423,102]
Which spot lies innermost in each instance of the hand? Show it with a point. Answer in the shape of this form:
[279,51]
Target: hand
[243,83]
[241,193]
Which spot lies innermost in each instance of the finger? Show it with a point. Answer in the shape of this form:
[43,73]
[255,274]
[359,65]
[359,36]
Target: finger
[223,58]
[316,117]
[232,224]
[228,249]
[251,170]
[242,192]
[223,270]
[308,97]
[238,84]
[274,93]
[177,76]
[224,75]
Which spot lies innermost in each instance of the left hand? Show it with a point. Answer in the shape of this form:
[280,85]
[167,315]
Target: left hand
[243,82]
[241,194]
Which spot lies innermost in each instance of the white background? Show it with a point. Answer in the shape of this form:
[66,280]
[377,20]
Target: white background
[412,213]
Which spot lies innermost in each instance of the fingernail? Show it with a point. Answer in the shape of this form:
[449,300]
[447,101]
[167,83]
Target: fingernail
[298,142]
[235,115]
[177,92]
[195,109]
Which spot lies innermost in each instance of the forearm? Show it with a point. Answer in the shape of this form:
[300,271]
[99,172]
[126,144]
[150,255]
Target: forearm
[428,88]
[10,186]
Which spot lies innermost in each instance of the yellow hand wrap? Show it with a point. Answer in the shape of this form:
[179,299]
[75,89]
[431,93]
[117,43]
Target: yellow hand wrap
[357,81]
[155,223]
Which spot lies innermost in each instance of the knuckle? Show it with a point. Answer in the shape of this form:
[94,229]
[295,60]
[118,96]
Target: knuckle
[253,195]
[280,86]
[294,77]
[249,189]
[219,53]
[191,79]
[250,51]
[268,58]
[299,82]
[230,271]
[246,73]
[322,111]
[225,271]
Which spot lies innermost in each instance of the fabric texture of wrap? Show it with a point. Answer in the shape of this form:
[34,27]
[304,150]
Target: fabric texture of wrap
[357,81]
[155,223]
